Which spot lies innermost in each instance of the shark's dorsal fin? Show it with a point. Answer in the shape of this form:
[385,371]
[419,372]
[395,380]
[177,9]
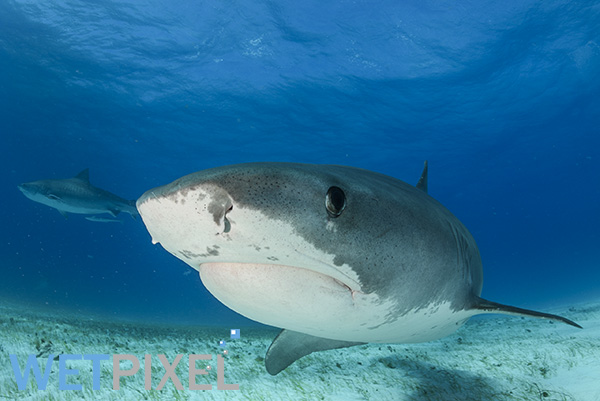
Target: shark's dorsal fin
[84,175]
[422,184]
[290,346]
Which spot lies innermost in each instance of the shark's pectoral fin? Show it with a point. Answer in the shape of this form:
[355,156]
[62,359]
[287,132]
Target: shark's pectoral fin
[290,346]
[114,212]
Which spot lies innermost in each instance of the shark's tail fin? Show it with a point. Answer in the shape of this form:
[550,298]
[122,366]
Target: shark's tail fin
[486,306]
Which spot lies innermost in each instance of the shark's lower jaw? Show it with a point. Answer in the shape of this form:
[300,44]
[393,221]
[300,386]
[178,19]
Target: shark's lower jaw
[284,296]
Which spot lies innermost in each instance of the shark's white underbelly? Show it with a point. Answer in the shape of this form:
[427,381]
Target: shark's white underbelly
[312,303]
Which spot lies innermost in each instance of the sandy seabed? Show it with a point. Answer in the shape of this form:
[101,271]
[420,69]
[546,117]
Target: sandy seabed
[490,358]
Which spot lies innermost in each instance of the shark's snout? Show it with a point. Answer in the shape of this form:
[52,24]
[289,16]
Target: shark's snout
[27,189]
[185,218]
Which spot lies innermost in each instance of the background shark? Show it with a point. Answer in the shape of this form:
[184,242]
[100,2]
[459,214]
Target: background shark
[77,195]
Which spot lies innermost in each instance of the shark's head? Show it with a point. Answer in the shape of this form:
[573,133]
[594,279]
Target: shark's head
[259,236]
[40,191]
[316,249]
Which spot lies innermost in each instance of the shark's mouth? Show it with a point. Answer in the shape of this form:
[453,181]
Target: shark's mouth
[283,296]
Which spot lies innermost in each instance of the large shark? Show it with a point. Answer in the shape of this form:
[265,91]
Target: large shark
[77,195]
[336,256]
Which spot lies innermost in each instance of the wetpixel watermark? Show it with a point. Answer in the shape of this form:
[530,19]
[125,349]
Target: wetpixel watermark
[67,376]
[42,379]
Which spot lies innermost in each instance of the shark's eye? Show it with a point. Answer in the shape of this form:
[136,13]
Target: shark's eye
[335,201]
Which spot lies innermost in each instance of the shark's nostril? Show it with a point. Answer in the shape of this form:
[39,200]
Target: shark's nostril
[226,223]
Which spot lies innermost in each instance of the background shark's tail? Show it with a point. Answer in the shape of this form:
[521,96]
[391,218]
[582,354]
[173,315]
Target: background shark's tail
[486,306]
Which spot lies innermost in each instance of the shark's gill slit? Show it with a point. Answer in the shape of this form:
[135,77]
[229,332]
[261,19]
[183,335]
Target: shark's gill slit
[226,223]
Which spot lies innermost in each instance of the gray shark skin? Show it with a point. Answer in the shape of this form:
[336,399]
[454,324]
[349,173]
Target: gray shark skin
[77,195]
[336,256]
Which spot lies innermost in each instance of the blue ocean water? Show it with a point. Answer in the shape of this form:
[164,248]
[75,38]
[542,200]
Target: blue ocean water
[502,98]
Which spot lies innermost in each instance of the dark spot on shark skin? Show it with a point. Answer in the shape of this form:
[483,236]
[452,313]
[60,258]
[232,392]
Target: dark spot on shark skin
[210,252]
[183,190]
[219,206]
[217,210]
[338,261]
[189,254]
[273,258]
[173,196]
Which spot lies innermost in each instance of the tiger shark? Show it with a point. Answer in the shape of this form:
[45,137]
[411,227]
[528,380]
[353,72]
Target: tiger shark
[77,195]
[336,256]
